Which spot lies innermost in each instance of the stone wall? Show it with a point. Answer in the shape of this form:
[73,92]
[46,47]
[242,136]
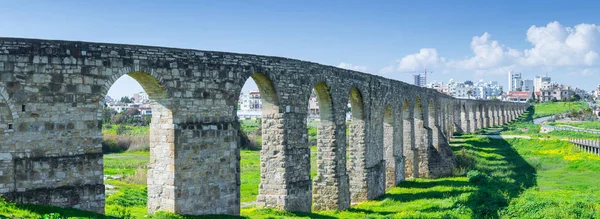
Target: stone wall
[51,95]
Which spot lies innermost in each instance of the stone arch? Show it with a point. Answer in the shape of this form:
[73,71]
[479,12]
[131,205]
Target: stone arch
[422,135]
[268,94]
[357,105]
[465,124]
[389,147]
[273,141]
[356,147]
[147,77]
[330,160]
[162,129]
[433,123]
[473,120]
[481,117]
[410,152]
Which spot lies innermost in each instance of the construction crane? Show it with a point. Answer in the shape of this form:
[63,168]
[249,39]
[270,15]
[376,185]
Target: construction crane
[424,72]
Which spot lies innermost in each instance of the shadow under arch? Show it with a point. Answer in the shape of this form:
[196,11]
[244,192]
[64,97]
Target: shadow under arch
[268,94]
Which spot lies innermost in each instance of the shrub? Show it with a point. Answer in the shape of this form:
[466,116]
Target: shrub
[251,140]
[140,177]
[119,143]
[465,161]
[477,177]
[110,145]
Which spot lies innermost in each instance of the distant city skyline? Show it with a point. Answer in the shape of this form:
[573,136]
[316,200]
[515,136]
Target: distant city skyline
[468,40]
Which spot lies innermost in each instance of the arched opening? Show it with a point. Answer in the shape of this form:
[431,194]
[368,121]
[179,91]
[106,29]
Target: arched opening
[421,136]
[440,116]
[138,131]
[327,161]
[260,141]
[481,116]
[389,147]
[464,119]
[411,158]
[433,123]
[355,147]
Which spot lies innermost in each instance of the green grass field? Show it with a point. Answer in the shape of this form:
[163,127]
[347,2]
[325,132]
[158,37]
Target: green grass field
[552,108]
[495,178]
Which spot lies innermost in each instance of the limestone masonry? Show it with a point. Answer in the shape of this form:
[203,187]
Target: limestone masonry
[50,127]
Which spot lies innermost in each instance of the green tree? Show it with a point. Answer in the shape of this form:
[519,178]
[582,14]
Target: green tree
[575,98]
[107,114]
[125,99]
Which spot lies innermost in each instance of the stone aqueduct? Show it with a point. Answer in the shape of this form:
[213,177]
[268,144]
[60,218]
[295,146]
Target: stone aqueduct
[51,95]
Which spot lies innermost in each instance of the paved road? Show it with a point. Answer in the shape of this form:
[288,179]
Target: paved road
[541,120]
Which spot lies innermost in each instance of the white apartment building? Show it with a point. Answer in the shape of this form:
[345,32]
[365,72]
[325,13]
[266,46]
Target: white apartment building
[250,101]
[538,82]
[458,89]
[528,86]
[486,90]
[480,90]
[141,97]
[514,81]
[439,86]
[313,106]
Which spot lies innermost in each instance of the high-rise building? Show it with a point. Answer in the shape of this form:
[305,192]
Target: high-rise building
[546,79]
[514,81]
[419,81]
[528,85]
[538,82]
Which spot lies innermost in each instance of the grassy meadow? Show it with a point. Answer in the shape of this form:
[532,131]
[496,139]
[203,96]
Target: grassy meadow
[551,108]
[494,178]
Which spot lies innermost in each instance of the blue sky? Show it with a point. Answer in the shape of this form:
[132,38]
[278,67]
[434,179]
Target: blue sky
[464,40]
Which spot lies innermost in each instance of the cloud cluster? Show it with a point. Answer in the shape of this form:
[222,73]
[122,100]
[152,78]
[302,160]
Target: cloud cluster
[554,46]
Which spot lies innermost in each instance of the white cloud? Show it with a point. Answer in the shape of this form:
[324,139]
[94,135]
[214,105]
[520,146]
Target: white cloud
[352,67]
[557,45]
[487,54]
[427,58]
[554,48]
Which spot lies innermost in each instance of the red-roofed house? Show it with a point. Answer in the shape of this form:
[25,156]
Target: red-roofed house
[519,96]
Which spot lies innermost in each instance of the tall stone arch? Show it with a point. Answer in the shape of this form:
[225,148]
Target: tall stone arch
[330,158]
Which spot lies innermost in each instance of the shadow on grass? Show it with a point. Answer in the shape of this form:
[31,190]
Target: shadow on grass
[506,175]
[52,211]
[503,181]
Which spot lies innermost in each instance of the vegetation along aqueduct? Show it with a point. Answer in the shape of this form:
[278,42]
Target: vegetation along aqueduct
[51,95]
